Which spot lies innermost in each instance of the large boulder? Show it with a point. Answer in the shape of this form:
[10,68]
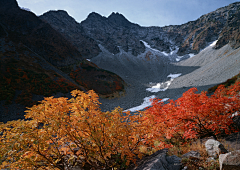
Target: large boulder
[230,161]
[159,161]
[214,148]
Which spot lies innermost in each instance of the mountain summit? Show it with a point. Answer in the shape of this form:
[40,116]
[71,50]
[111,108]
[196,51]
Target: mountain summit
[67,26]
[116,33]
[118,19]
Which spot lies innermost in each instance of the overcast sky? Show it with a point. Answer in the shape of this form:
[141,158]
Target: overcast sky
[142,12]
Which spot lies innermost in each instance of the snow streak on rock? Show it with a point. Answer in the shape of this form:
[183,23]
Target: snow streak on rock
[163,86]
[148,100]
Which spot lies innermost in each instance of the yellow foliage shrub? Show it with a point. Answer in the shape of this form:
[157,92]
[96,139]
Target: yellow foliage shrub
[61,132]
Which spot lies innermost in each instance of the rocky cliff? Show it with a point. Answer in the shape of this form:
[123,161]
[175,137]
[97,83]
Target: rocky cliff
[72,31]
[115,31]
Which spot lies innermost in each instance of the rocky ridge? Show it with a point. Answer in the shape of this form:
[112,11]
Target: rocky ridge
[73,32]
[115,31]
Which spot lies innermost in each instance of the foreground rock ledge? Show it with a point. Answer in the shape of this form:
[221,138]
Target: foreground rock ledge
[159,160]
[230,161]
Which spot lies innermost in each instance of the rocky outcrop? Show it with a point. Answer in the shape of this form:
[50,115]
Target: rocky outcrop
[159,160]
[231,32]
[194,154]
[189,38]
[199,33]
[214,148]
[73,32]
[230,161]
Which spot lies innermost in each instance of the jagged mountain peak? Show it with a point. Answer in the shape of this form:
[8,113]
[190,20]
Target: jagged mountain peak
[116,31]
[58,12]
[95,15]
[118,19]
[69,27]
[116,15]
[59,15]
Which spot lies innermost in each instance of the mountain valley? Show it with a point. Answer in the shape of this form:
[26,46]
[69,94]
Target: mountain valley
[112,55]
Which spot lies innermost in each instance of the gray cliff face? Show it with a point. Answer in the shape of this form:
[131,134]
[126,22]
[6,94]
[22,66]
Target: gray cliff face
[115,31]
[73,32]
[189,38]
[197,34]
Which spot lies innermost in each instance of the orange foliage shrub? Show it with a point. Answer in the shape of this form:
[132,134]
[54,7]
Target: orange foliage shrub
[194,115]
[60,133]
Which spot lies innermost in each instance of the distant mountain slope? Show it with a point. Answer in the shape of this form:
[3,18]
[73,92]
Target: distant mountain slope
[36,61]
[209,27]
[27,28]
[116,31]
[231,31]
[73,32]
[111,32]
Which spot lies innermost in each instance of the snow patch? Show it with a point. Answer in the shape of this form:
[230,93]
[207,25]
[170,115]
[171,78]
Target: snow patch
[164,53]
[214,43]
[191,55]
[211,45]
[146,103]
[163,86]
[88,59]
[173,76]
[164,99]
[148,46]
[178,58]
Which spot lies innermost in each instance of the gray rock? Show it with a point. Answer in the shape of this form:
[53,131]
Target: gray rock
[210,159]
[230,161]
[191,154]
[160,161]
[214,148]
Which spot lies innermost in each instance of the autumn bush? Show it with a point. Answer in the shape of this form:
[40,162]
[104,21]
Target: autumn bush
[60,133]
[194,115]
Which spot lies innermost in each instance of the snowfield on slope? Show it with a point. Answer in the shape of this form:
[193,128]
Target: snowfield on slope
[204,70]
